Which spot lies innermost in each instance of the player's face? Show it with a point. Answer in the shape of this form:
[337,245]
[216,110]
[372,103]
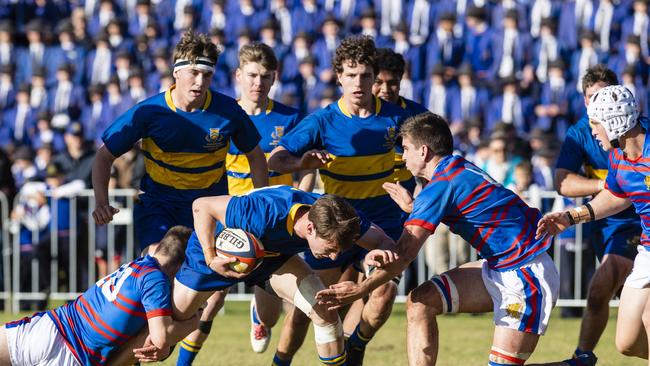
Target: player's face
[386,86]
[192,84]
[356,82]
[592,90]
[598,131]
[320,247]
[255,81]
[413,157]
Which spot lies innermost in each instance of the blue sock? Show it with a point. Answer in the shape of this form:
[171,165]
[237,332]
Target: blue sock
[579,352]
[187,352]
[357,340]
[277,361]
[334,361]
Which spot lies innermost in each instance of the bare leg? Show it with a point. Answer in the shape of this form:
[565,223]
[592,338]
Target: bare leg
[424,304]
[631,338]
[609,277]
[270,312]
[4,347]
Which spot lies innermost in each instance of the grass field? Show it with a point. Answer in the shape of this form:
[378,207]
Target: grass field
[464,340]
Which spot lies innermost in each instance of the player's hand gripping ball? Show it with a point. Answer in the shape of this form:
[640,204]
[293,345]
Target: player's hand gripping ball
[242,245]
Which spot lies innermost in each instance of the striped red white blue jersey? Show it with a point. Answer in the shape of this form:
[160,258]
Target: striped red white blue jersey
[490,217]
[114,310]
[630,179]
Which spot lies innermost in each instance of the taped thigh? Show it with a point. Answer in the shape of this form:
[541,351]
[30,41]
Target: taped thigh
[448,292]
[305,296]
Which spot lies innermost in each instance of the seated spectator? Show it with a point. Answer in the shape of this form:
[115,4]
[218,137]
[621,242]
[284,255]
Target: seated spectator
[96,115]
[552,112]
[45,135]
[546,49]
[99,61]
[65,97]
[325,46]
[23,168]
[38,93]
[500,164]
[306,17]
[638,89]
[469,101]
[511,107]
[7,90]
[630,57]
[18,122]
[437,96]
[444,47]
[77,158]
[583,58]
[7,48]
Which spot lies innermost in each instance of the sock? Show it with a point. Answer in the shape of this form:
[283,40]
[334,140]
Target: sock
[579,352]
[187,352]
[277,361]
[334,361]
[357,340]
[255,319]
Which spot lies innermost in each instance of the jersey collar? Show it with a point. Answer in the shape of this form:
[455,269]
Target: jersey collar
[170,102]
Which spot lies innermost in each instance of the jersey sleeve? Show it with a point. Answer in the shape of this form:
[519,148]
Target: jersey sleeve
[125,131]
[243,212]
[430,207]
[305,136]
[611,184]
[246,136]
[156,294]
[571,153]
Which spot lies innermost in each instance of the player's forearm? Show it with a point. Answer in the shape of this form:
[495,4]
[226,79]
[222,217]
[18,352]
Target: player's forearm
[570,184]
[101,174]
[606,204]
[307,180]
[204,226]
[259,168]
[282,161]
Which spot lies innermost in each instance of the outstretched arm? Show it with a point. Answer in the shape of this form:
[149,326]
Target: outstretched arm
[283,161]
[103,213]
[603,205]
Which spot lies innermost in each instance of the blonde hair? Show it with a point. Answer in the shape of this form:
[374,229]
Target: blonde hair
[259,53]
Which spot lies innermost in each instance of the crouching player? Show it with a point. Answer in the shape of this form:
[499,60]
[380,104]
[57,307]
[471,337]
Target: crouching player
[517,279]
[95,328]
[615,123]
[287,221]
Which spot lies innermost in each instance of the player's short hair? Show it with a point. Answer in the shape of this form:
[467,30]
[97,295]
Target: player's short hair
[194,45]
[431,130]
[355,50]
[390,61]
[335,220]
[260,53]
[173,244]
[596,74]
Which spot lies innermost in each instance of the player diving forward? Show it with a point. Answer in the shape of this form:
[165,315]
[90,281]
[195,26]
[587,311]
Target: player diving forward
[287,221]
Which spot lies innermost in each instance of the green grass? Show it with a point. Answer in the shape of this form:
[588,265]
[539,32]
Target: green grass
[464,340]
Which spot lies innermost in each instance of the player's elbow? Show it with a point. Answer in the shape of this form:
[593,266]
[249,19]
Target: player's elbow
[160,340]
[277,158]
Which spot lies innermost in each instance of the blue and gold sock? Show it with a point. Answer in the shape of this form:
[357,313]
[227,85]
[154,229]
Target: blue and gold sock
[187,352]
[357,340]
[277,361]
[334,361]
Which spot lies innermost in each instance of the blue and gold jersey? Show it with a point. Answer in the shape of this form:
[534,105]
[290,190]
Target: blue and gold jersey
[184,152]
[630,179]
[581,148]
[362,152]
[402,174]
[272,124]
[491,218]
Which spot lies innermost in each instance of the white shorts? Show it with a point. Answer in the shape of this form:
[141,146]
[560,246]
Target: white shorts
[524,297]
[640,276]
[36,341]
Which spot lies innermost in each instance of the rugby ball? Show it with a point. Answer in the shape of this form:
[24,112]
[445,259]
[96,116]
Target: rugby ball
[242,245]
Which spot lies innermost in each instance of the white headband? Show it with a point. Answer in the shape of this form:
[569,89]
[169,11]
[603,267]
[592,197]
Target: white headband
[201,63]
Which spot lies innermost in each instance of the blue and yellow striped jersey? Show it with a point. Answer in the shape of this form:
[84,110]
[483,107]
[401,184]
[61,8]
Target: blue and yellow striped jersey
[272,124]
[184,152]
[579,148]
[362,152]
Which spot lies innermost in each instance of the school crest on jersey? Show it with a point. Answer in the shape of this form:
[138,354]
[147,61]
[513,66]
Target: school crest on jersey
[215,140]
[277,134]
[646,181]
[390,137]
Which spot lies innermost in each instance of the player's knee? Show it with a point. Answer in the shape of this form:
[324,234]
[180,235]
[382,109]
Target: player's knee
[645,318]
[626,346]
[599,295]
[328,331]
[385,293]
[422,302]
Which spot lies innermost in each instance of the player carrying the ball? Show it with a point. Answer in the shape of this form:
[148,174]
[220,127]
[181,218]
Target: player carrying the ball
[287,221]
[516,279]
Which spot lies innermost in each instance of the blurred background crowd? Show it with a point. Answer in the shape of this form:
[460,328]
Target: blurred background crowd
[505,74]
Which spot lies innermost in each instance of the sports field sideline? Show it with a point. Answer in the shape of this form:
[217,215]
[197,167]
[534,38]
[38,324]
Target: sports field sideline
[464,340]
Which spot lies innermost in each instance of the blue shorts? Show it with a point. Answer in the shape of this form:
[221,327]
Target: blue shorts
[196,274]
[351,257]
[620,239]
[154,218]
